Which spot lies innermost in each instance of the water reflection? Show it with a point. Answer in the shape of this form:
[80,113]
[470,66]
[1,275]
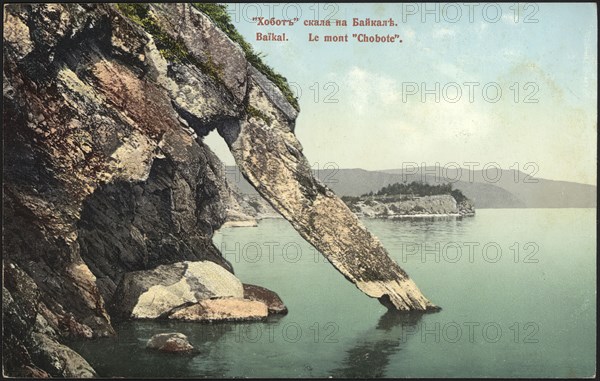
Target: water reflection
[371,354]
[368,344]
[125,355]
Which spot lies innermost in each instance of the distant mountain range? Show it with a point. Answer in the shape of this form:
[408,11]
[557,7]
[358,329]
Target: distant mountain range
[491,189]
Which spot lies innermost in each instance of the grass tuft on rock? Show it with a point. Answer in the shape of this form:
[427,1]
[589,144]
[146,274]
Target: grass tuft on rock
[171,49]
[218,14]
[256,113]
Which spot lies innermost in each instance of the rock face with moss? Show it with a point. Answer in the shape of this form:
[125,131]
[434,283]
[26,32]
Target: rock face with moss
[106,173]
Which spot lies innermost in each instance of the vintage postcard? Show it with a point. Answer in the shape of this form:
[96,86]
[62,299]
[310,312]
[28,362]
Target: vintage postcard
[299,190]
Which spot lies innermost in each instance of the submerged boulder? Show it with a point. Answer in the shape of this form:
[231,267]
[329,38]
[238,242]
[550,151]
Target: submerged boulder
[174,342]
[153,293]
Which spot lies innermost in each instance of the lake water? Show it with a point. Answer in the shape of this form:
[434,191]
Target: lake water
[517,289]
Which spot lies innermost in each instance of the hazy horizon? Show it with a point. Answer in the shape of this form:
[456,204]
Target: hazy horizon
[217,145]
[377,123]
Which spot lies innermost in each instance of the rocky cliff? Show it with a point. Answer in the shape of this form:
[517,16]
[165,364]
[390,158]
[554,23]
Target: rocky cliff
[106,173]
[246,209]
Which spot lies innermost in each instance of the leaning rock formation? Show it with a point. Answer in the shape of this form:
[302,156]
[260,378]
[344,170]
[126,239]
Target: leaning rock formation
[270,157]
[105,171]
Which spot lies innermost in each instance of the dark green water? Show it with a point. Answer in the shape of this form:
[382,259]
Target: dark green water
[520,300]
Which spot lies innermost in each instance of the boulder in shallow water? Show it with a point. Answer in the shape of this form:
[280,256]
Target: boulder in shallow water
[268,297]
[174,342]
[227,309]
[153,293]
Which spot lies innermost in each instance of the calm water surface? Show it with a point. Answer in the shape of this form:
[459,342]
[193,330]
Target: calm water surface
[517,288]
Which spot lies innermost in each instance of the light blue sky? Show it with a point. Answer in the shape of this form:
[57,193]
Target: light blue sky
[373,127]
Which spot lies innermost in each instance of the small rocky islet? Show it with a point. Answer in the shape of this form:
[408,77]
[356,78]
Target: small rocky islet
[409,200]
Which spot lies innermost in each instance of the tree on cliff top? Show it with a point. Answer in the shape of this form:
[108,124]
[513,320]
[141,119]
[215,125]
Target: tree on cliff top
[418,188]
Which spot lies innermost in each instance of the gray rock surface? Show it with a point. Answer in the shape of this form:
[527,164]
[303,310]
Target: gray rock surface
[30,346]
[222,309]
[154,293]
[246,210]
[466,208]
[58,359]
[271,299]
[207,43]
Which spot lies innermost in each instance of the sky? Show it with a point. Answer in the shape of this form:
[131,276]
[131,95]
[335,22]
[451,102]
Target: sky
[508,85]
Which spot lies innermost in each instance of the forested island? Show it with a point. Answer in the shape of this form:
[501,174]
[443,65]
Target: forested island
[414,199]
